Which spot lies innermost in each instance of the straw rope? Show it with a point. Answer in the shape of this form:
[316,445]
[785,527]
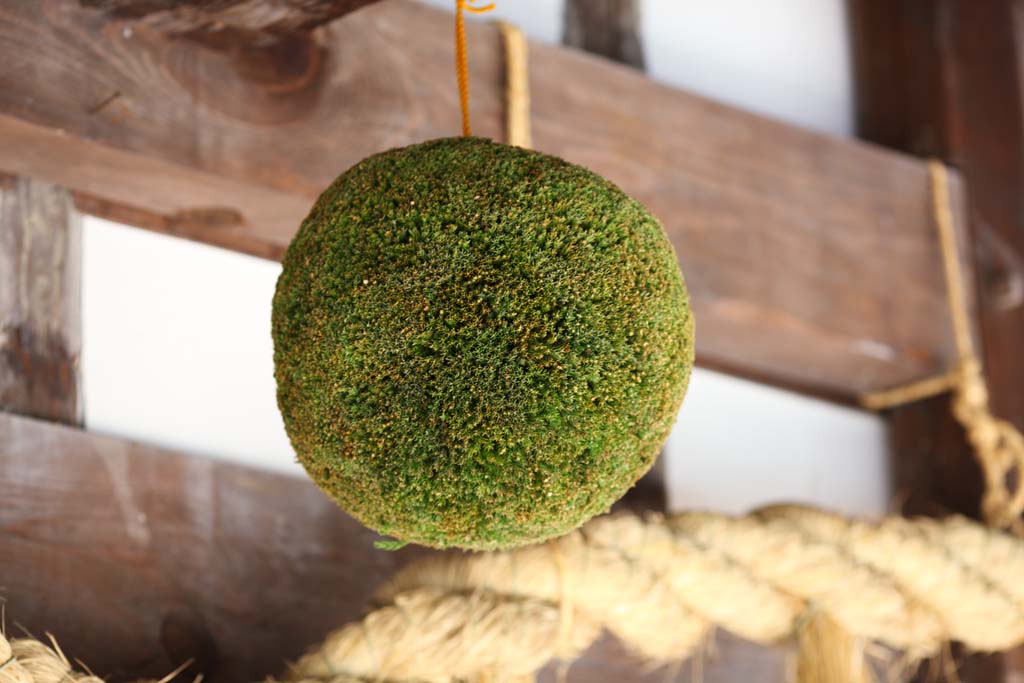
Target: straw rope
[997,444]
[26,660]
[661,585]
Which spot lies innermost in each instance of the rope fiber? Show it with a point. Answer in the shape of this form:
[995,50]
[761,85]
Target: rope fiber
[661,585]
[998,445]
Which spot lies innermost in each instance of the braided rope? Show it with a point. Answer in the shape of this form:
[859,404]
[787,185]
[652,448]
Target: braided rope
[26,660]
[661,585]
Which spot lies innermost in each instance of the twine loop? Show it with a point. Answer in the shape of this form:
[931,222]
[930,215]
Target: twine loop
[999,448]
[997,444]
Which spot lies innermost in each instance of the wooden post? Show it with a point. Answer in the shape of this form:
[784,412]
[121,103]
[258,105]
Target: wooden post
[609,28]
[943,79]
[40,326]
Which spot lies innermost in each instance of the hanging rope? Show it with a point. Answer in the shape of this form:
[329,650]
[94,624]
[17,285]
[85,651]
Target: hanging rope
[997,444]
[461,66]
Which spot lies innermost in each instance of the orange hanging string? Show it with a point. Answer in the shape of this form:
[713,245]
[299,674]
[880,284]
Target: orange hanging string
[461,69]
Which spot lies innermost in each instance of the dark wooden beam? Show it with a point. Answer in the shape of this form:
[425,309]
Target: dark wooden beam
[227,23]
[139,558]
[610,28]
[40,279]
[793,244]
[943,79]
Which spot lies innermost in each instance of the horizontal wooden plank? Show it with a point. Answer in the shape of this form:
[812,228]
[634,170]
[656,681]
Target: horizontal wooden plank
[184,17]
[137,558]
[812,261]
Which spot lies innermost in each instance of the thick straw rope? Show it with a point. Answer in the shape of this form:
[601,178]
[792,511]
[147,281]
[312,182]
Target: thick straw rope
[661,586]
[997,444]
[26,660]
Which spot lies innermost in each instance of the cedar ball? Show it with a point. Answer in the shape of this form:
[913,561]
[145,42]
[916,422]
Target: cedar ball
[478,345]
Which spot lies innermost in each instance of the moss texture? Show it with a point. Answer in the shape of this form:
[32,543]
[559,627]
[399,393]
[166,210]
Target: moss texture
[478,345]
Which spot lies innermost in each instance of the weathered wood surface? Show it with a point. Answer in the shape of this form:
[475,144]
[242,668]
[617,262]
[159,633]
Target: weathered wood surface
[812,261]
[40,321]
[182,17]
[253,32]
[138,558]
[944,79]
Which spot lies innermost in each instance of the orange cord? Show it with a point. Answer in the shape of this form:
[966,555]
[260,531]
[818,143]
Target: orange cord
[461,68]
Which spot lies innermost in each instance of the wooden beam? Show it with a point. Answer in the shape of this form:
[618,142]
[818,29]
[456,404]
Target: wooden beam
[138,558]
[943,79]
[227,24]
[180,17]
[610,28]
[812,261]
[40,322]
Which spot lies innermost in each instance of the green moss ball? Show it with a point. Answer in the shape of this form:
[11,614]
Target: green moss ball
[478,345]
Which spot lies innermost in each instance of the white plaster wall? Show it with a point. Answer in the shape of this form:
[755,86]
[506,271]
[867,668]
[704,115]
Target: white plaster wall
[176,345]
[788,59]
[539,19]
[176,335]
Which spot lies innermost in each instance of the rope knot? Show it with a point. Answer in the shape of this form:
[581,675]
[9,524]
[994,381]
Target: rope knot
[998,447]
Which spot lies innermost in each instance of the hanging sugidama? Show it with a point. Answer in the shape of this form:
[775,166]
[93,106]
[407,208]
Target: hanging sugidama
[478,345]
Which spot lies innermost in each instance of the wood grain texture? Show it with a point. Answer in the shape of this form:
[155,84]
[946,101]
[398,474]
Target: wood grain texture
[177,17]
[137,558]
[40,319]
[812,261]
[230,25]
[943,79]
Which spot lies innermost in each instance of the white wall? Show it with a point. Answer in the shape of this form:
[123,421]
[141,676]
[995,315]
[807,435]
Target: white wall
[176,335]
[789,60]
[176,345]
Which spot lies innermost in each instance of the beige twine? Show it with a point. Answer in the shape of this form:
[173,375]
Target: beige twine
[997,444]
